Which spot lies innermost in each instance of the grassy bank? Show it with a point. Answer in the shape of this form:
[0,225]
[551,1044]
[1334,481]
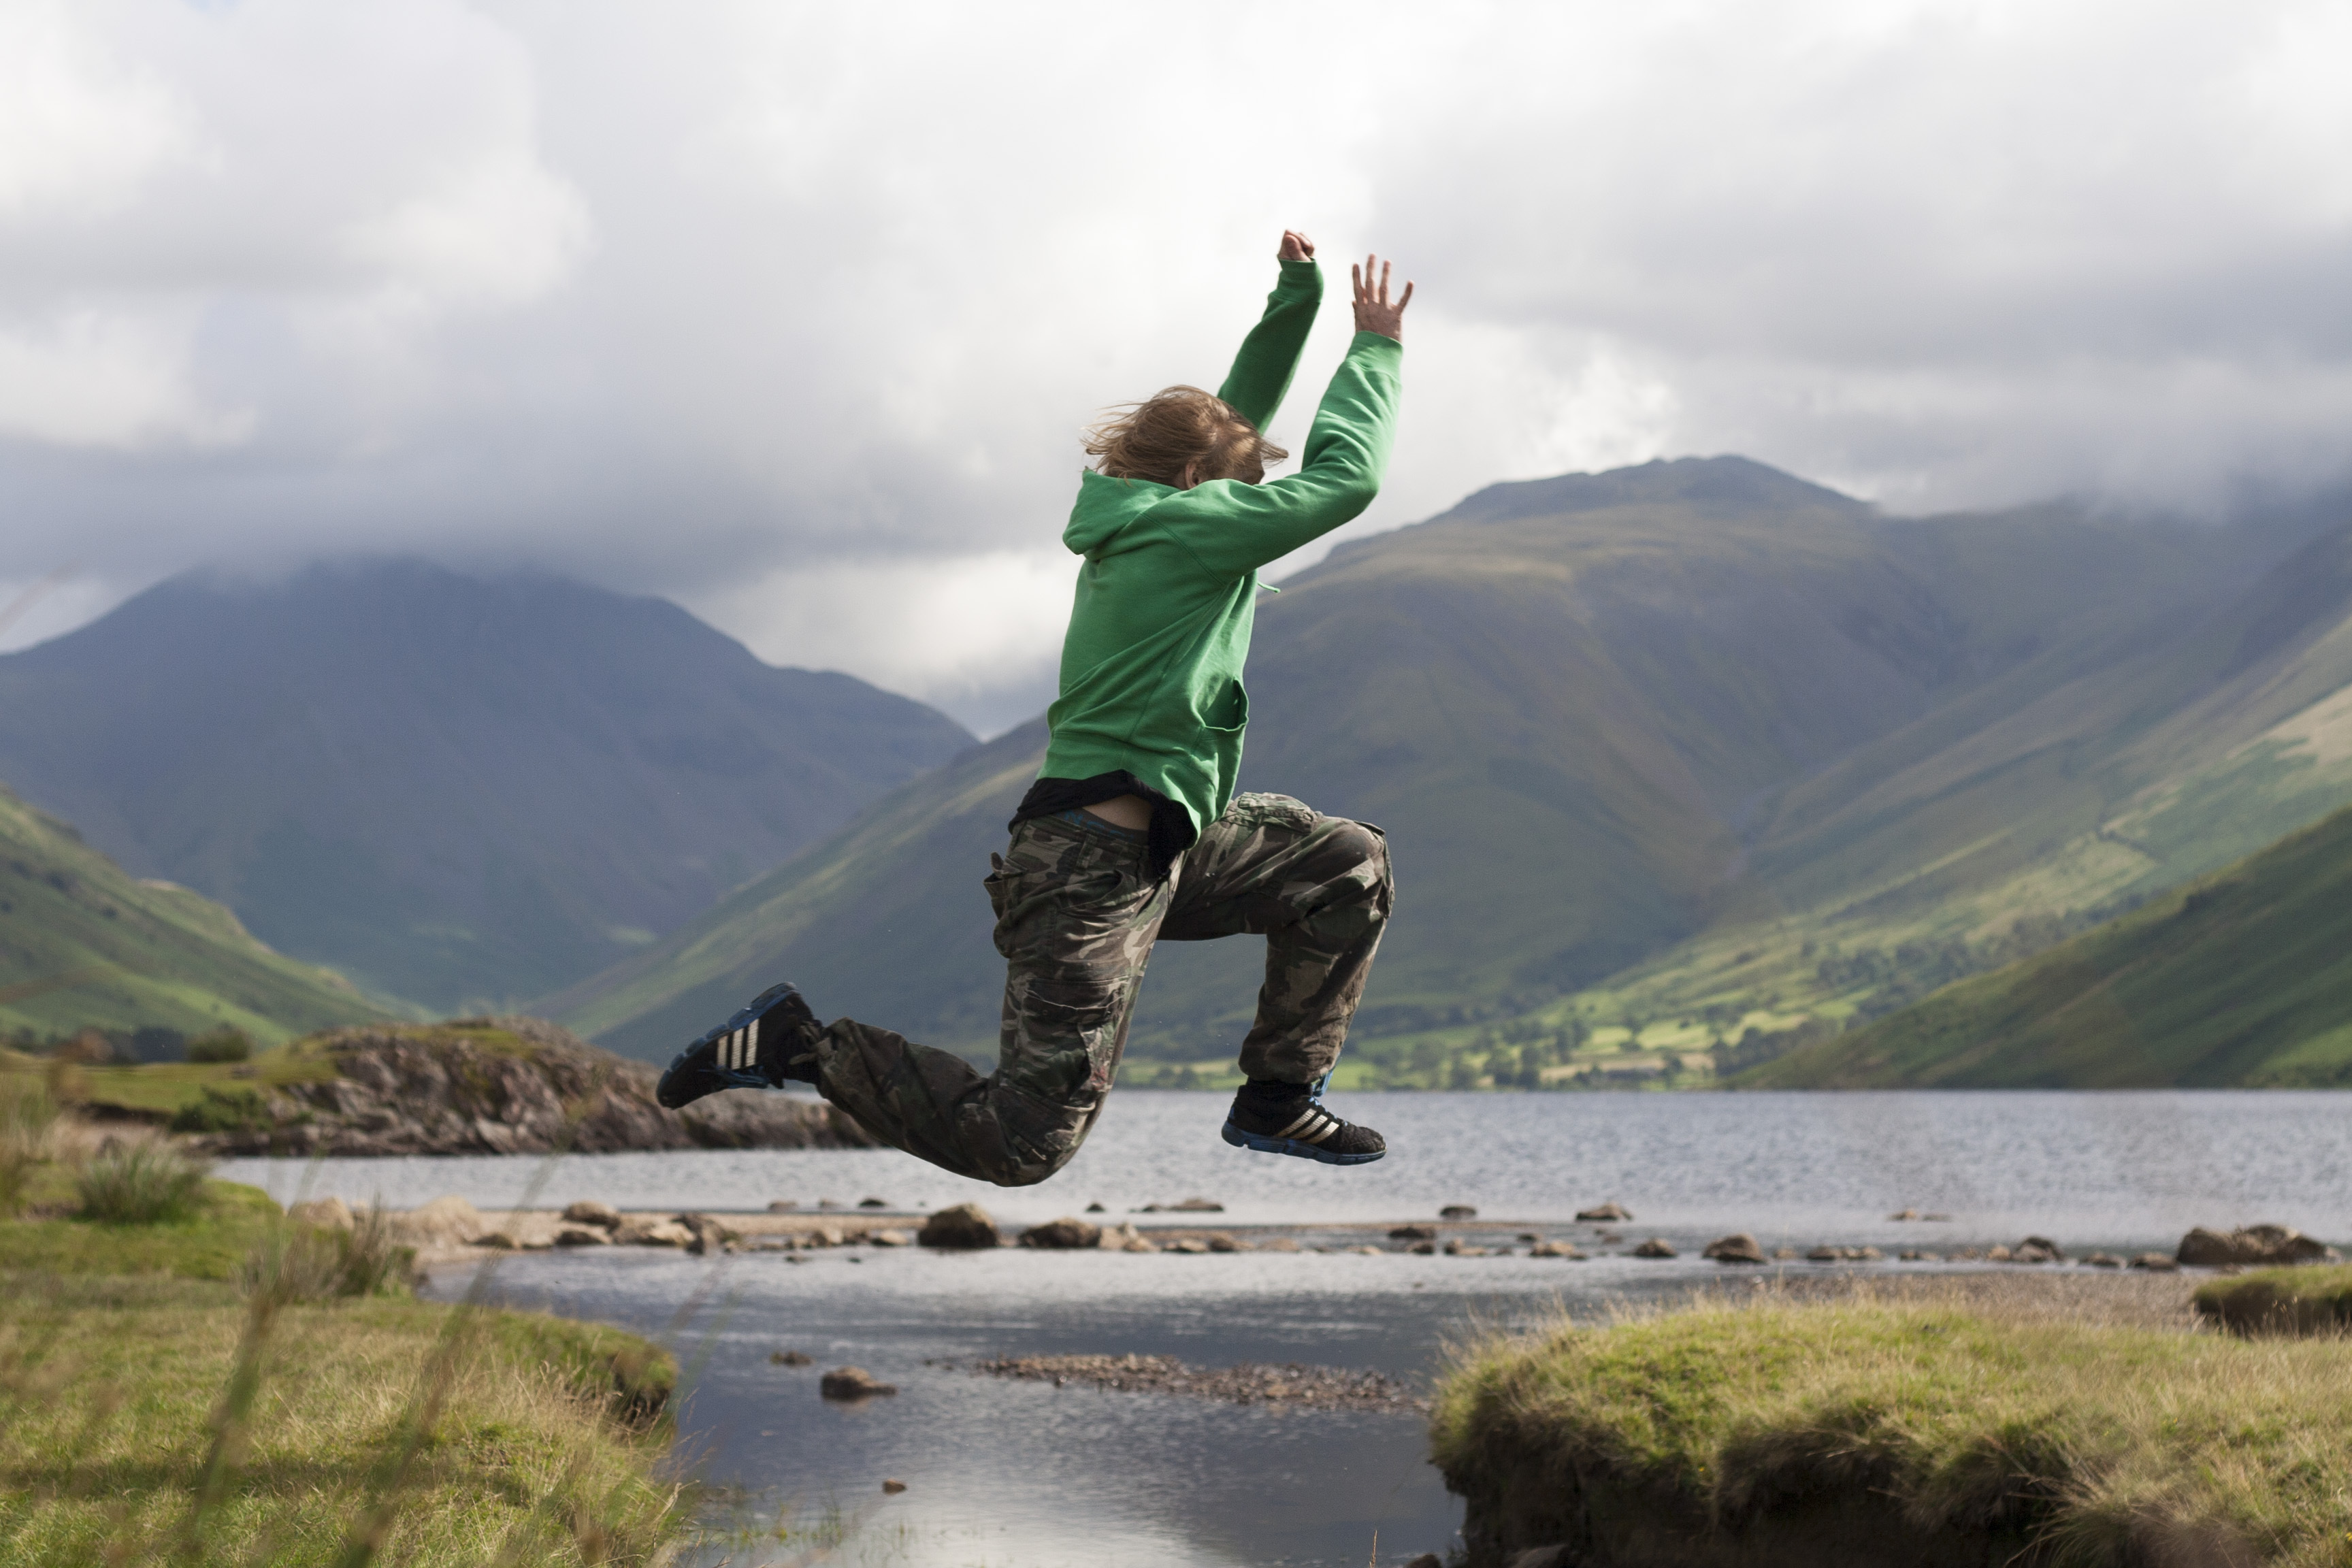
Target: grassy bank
[169,1393]
[2302,1300]
[1867,1432]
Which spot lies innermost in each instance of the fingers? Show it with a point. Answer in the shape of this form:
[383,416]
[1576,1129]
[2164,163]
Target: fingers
[1406,297]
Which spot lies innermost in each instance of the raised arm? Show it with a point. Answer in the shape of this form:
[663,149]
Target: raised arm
[1235,527]
[1269,355]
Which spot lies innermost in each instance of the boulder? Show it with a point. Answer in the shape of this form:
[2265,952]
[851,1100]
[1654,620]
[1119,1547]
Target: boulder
[1544,1557]
[1657,1247]
[893,1237]
[1864,1254]
[1197,1205]
[1904,1215]
[1913,1255]
[1356,1251]
[584,1236]
[1465,1249]
[2156,1263]
[587,1211]
[789,1358]
[1221,1242]
[324,1214]
[1062,1235]
[852,1383]
[1998,1255]
[1414,1233]
[2037,1249]
[1606,1213]
[495,1240]
[874,1203]
[892,1487]
[2254,1244]
[445,1222]
[2103,1260]
[966,1226]
[1737,1248]
[783,1205]
[1458,1211]
[706,1234]
[1826,1255]
[1423,1248]
[1554,1249]
[1187,1244]
[656,1233]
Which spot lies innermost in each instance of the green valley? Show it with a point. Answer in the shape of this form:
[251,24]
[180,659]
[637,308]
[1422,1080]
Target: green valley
[2242,978]
[83,944]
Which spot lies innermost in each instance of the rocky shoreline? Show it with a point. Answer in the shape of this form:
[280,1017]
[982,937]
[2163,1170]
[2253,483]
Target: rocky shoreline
[493,1086]
[450,1228]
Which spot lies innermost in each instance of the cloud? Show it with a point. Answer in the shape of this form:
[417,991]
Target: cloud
[793,311]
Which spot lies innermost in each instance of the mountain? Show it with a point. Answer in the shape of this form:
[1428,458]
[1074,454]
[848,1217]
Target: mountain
[1585,709]
[2242,979]
[454,790]
[84,944]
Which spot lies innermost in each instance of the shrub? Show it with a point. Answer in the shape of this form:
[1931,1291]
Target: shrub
[145,1183]
[220,1045]
[27,1112]
[218,1111]
[298,1263]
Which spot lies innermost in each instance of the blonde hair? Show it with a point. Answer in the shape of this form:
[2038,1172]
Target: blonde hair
[1154,439]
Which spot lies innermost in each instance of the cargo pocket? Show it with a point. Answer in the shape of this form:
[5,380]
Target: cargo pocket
[1063,1039]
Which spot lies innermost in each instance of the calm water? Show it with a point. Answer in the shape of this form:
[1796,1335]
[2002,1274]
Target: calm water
[1006,1473]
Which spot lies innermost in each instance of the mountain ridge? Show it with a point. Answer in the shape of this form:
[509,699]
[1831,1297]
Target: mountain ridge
[454,789]
[1577,727]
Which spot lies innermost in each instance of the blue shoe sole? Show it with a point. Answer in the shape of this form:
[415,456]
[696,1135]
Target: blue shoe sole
[1241,1139]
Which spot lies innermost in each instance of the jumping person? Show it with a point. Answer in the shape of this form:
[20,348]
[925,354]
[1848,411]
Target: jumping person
[1132,833]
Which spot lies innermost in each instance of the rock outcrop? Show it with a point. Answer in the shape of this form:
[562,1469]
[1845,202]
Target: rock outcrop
[507,1086]
[2254,1244]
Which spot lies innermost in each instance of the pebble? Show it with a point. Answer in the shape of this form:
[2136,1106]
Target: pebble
[1250,1382]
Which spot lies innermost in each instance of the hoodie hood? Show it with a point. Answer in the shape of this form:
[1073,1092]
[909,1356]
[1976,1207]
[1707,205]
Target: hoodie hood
[1105,507]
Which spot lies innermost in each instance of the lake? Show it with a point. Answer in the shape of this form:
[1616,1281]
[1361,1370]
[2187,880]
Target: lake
[1018,1473]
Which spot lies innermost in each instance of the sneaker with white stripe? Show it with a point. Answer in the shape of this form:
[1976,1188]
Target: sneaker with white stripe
[764,1043]
[1300,1125]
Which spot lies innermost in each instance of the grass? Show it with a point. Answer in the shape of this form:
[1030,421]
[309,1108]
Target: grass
[2303,1300]
[226,1224]
[114,1394]
[1871,1431]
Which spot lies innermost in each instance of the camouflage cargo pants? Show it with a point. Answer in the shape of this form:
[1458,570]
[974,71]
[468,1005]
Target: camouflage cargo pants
[1076,915]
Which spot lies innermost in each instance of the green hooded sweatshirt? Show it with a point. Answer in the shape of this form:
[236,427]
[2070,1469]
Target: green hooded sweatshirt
[1151,666]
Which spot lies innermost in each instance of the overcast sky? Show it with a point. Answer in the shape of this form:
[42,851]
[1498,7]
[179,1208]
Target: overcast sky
[792,313]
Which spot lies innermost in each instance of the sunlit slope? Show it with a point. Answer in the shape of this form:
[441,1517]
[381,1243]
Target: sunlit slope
[1561,701]
[2151,765]
[83,943]
[2244,978]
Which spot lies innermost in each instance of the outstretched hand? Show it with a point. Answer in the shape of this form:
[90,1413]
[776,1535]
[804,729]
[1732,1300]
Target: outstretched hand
[1374,311]
[1296,247]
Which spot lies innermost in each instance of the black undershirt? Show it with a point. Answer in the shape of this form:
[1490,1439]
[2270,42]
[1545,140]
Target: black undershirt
[1170,833]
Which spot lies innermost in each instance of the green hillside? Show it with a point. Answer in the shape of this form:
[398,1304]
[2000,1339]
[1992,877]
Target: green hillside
[82,944]
[2244,978]
[1599,716]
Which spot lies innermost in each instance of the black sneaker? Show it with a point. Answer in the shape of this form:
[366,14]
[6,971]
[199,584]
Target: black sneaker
[1292,1119]
[771,1040]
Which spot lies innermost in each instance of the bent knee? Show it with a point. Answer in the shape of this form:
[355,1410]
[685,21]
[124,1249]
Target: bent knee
[1365,855]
